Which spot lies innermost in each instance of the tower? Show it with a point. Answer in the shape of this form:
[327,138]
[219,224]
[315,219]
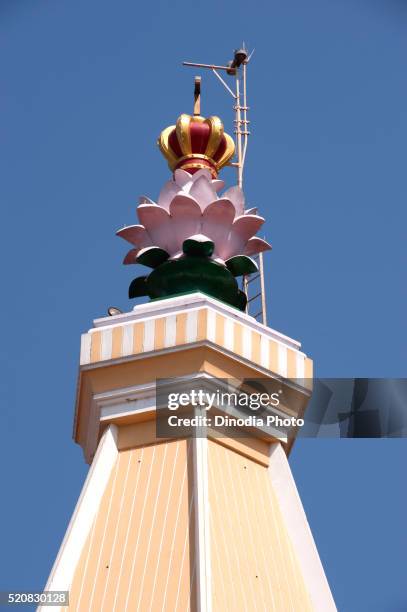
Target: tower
[200,517]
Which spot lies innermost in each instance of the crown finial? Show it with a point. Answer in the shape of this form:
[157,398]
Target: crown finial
[196,143]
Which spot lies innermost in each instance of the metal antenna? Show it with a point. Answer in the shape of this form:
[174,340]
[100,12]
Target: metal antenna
[238,69]
[253,285]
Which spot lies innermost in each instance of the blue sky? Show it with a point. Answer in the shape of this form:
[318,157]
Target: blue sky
[86,88]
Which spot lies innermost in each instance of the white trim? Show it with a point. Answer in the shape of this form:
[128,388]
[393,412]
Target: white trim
[211,325]
[247,342]
[120,411]
[127,341]
[85,348]
[63,571]
[149,335]
[284,487]
[282,360]
[122,394]
[202,526]
[106,344]
[228,333]
[190,302]
[264,351]
[170,330]
[300,369]
[191,331]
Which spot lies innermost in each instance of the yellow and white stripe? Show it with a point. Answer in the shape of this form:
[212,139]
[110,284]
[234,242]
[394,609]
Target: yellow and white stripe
[233,332]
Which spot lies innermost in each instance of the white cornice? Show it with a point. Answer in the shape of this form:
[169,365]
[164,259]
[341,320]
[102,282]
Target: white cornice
[133,401]
[185,303]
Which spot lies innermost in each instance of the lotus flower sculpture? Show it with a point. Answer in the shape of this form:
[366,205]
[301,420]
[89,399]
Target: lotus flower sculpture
[194,239]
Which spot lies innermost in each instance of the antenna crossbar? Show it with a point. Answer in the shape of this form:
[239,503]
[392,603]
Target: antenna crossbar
[210,66]
[236,68]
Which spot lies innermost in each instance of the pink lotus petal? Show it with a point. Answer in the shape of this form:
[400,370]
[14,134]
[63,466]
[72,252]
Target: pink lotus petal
[145,200]
[135,234]
[157,222]
[152,215]
[217,221]
[203,172]
[131,257]
[243,228]
[251,211]
[236,195]
[184,204]
[246,226]
[182,178]
[256,245]
[203,192]
[169,190]
[217,184]
[186,219]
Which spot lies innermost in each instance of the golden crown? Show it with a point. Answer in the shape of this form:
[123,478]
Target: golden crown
[195,143]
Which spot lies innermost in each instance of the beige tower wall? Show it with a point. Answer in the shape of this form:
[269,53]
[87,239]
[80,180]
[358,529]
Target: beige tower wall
[254,565]
[139,552]
[210,525]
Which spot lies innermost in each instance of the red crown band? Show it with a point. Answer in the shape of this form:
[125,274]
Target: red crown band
[195,143]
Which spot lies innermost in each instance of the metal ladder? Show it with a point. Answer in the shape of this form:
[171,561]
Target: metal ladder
[254,288]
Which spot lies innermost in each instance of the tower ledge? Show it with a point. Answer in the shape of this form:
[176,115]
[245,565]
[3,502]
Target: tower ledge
[184,336]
